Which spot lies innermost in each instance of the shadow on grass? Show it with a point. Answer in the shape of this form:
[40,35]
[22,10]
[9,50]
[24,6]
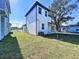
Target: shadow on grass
[9,48]
[74,39]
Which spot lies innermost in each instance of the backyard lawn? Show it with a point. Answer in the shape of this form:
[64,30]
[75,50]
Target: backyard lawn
[19,45]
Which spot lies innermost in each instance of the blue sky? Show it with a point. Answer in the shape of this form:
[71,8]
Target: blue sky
[20,7]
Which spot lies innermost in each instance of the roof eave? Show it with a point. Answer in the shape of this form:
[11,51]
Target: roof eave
[36,3]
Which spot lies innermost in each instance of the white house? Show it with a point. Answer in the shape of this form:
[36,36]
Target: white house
[4,18]
[71,28]
[37,19]
[24,28]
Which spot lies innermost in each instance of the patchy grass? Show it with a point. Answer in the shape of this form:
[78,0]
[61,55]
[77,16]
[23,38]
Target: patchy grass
[18,45]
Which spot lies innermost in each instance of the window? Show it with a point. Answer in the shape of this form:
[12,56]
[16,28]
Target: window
[42,26]
[77,29]
[46,13]
[40,10]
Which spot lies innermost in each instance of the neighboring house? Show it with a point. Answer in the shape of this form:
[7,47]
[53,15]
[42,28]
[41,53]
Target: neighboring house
[14,29]
[71,28]
[4,18]
[24,29]
[20,29]
[37,19]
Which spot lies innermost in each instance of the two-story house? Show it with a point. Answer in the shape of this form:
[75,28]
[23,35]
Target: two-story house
[4,18]
[37,19]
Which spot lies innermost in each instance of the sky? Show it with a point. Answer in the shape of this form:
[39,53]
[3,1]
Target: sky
[20,7]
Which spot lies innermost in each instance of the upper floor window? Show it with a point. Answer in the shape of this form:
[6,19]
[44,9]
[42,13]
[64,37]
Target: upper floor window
[40,10]
[46,13]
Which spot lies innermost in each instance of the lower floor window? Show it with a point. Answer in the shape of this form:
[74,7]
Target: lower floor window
[42,26]
[77,29]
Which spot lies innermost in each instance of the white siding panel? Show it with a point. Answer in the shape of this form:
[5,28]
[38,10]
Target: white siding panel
[6,26]
[31,22]
[43,19]
[24,29]
[2,27]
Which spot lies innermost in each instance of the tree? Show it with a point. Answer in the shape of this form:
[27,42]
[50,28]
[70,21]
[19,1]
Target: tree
[60,12]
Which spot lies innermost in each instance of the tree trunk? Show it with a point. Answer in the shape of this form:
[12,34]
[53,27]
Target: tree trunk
[58,27]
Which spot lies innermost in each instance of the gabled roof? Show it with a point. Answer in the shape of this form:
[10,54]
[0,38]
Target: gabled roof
[35,4]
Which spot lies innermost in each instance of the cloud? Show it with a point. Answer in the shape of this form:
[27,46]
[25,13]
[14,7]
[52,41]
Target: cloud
[16,23]
[36,0]
[14,1]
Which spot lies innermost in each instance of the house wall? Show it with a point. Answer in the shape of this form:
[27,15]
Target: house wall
[2,27]
[24,29]
[31,22]
[4,19]
[73,29]
[6,26]
[43,19]
[64,28]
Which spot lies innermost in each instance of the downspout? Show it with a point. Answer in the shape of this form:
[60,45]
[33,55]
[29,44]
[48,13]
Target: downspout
[36,21]
[26,24]
[0,27]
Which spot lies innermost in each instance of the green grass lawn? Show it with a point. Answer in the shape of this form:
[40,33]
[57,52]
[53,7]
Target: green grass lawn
[18,45]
